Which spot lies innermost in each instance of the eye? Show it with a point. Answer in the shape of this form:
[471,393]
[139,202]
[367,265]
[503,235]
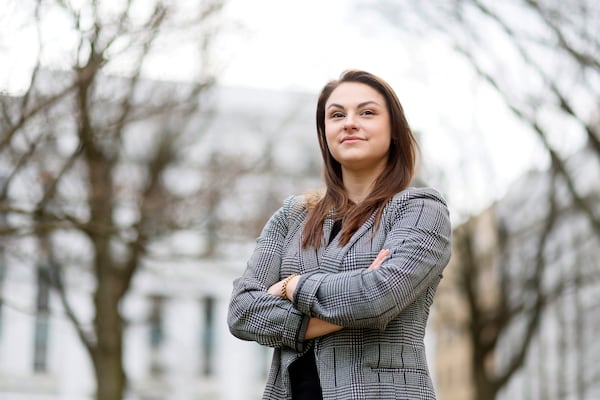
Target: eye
[367,112]
[336,114]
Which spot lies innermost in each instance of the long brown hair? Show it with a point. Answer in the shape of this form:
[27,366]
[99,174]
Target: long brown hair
[396,176]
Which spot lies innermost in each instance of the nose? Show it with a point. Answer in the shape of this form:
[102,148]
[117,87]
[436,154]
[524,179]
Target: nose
[350,123]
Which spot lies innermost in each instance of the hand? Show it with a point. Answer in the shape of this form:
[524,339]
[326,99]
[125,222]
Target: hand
[379,259]
[276,288]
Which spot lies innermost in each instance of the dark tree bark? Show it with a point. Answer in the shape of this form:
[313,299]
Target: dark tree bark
[95,109]
[553,47]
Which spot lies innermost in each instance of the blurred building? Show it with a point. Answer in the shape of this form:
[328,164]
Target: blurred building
[532,259]
[451,315]
[177,344]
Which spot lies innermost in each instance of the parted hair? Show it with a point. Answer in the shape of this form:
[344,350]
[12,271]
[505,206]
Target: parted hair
[396,176]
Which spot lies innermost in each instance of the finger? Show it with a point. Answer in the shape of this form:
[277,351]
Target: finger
[381,256]
[384,253]
[275,289]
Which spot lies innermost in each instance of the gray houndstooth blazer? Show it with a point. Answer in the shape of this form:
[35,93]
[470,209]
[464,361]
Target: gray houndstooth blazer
[380,352]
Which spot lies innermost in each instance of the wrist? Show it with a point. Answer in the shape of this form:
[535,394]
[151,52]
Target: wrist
[284,287]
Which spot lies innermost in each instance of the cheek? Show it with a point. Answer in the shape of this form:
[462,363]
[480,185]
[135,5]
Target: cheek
[384,143]
[387,135]
[332,146]
[329,138]
[389,141]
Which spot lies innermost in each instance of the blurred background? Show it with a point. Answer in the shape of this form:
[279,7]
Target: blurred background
[144,144]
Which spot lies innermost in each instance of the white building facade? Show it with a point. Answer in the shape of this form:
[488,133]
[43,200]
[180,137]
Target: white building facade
[177,345]
[562,360]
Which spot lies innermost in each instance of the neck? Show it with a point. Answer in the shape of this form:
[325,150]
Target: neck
[359,185]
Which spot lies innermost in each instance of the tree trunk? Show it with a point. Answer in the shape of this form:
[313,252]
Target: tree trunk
[107,357]
[485,389]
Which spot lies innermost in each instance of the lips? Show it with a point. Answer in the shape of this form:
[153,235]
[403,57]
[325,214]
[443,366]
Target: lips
[352,139]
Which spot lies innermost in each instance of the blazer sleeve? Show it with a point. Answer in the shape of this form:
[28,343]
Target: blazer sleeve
[419,240]
[256,315]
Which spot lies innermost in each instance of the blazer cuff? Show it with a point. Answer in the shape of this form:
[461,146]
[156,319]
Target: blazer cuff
[306,291]
[294,330]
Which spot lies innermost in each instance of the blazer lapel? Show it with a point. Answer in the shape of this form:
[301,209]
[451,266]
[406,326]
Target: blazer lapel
[311,259]
[331,258]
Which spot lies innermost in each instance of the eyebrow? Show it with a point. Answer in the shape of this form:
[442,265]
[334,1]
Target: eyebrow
[364,103]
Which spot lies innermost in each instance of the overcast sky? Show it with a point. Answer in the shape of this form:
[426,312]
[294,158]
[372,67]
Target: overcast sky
[302,44]
[466,134]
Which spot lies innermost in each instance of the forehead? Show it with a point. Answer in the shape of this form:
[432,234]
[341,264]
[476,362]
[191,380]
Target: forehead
[354,93]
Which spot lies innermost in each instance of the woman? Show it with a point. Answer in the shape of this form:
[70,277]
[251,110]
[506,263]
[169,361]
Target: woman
[340,284]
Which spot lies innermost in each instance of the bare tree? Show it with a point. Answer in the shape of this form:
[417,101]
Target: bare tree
[90,148]
[508,269]
[492,314]
[543,60]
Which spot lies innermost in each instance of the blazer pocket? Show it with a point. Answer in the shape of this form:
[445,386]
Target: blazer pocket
[389,357]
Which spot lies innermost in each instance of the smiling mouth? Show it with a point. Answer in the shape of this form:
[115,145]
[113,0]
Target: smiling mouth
[352,139]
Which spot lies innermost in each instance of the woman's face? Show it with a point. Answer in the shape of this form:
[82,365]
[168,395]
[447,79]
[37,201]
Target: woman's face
[357,127]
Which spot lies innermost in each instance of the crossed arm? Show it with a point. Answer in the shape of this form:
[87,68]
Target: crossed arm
[317,327]
[419,244]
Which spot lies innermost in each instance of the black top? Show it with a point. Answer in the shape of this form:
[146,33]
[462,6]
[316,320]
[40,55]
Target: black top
[335,229]
[304,376]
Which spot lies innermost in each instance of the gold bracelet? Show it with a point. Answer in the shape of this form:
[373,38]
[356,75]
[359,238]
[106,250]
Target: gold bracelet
[284,285]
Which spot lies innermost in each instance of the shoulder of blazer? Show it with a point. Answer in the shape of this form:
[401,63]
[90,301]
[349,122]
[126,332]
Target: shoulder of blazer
[418,193]
[294,209]
[401,200]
